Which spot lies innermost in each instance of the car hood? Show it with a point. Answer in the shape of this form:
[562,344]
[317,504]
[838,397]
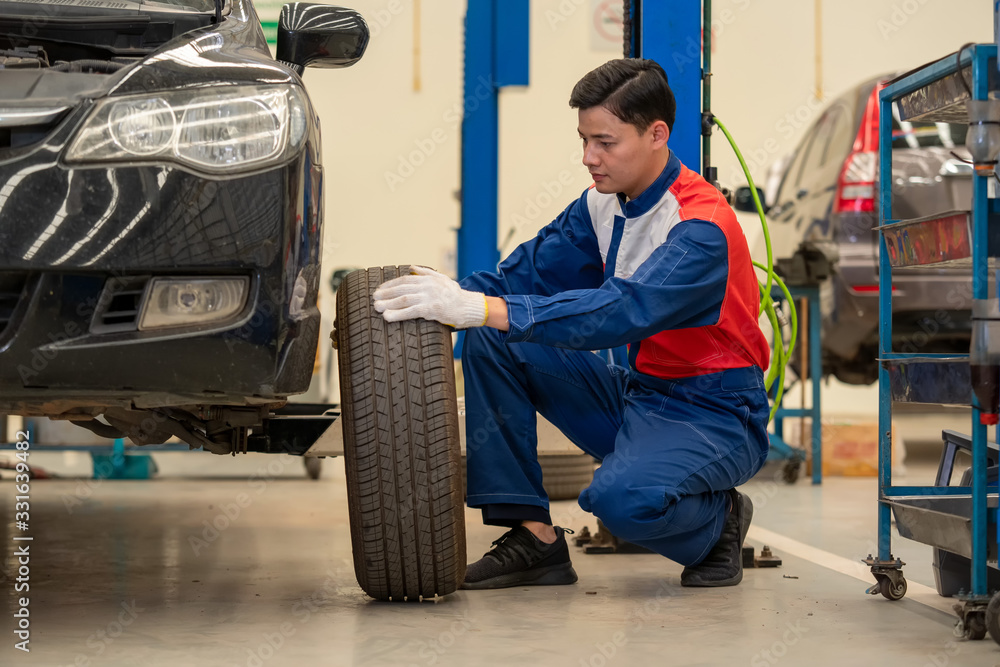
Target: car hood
[234,52]
[43,88]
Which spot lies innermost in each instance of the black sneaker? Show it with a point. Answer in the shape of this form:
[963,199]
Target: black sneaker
[723,566]
[521,559]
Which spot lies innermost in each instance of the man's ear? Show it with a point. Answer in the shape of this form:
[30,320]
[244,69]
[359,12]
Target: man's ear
[661,133]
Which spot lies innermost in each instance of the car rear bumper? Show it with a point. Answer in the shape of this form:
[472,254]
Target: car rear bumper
[931,307]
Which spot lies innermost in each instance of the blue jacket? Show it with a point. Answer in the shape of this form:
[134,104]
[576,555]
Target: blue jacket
[668,274]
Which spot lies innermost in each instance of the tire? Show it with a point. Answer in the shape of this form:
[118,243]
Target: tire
[401,446]
[564,476]
[993,617]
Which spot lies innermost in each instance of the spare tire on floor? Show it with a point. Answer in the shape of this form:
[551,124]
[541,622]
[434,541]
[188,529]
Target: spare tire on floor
[401,437]
[564,475]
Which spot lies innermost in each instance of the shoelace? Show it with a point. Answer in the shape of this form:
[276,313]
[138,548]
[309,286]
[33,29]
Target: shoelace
[506,549]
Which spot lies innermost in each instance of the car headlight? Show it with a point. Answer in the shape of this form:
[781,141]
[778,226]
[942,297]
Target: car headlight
[175,302]
[216,130]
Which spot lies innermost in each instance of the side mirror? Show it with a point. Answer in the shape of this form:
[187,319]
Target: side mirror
[744,200]
[320,35]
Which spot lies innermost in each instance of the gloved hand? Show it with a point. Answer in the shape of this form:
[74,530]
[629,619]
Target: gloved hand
[432,296]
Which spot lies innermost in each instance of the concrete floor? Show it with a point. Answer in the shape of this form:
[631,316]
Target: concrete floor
[124,573]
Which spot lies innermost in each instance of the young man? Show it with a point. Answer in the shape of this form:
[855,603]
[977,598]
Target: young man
[651,256]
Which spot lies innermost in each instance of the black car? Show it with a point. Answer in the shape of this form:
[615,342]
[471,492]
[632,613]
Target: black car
[161,224]
[160,212]
[822,220]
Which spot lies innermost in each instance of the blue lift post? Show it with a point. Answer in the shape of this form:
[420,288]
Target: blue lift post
[496,55]
[497,50]
[674,34]
[982,60]
[670,32]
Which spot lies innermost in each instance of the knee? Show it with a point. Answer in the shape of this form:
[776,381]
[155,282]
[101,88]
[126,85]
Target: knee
[630,513]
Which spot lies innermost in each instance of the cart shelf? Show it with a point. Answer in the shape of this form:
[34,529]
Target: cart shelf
[944,380]
[943,240]
[943,100]
[961,520]
[943,521]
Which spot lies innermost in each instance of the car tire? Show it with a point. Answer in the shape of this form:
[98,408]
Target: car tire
[564,476]
[401,446]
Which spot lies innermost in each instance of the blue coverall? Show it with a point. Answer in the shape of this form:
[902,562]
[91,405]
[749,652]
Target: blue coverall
[605,273]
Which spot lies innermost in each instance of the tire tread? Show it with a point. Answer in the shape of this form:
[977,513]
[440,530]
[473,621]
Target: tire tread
[401,447]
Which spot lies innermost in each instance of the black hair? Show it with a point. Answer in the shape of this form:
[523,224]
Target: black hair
[633,89]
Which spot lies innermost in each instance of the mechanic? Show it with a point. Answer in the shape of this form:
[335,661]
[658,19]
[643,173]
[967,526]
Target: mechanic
[651,256]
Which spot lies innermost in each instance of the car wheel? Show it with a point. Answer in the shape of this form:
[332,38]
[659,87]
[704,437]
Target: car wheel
[401,446]
[564,476]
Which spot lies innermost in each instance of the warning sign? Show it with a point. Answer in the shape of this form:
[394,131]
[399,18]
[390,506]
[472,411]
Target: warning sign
[607,19]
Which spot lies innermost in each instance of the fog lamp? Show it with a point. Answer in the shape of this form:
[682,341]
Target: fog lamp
[175,302]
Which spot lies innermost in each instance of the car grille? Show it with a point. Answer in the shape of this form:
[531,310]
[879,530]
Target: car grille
[11,293]
[21,129]
[119,306]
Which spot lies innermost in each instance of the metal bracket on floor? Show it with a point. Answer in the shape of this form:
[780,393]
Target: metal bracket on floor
[603,542]
[766,558]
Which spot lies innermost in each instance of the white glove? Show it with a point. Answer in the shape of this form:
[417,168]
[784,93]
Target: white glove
[430,295]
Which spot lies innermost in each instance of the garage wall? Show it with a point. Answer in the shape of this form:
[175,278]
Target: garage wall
[764,85]
[391,154]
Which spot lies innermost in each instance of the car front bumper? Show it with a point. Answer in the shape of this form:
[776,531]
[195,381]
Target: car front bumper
[68,233]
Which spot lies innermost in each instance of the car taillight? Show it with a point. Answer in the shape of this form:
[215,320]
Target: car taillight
[869,289]
[856,185]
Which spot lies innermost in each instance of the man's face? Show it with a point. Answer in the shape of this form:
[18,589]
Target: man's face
[617,156]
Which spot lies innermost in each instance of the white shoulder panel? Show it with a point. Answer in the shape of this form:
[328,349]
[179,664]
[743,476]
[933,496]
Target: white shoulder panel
[645,234]
[603,209]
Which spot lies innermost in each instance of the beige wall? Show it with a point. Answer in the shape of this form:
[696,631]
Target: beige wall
[765,82]
[764,87]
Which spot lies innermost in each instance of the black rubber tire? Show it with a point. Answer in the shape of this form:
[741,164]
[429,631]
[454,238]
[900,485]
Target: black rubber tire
[975,627]
[791,469]
[890,591]
[401,446]
[564,476]
[993,617]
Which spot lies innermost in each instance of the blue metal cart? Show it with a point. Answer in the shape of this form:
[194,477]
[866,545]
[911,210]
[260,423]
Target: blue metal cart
[952,518]
[780,450]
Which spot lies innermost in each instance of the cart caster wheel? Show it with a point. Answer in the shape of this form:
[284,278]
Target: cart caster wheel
[974,627]
[314,467]
[892,591]
[993,618]
[791,470]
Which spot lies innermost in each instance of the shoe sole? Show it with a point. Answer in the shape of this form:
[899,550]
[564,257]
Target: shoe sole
[746,516]
[553,575]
